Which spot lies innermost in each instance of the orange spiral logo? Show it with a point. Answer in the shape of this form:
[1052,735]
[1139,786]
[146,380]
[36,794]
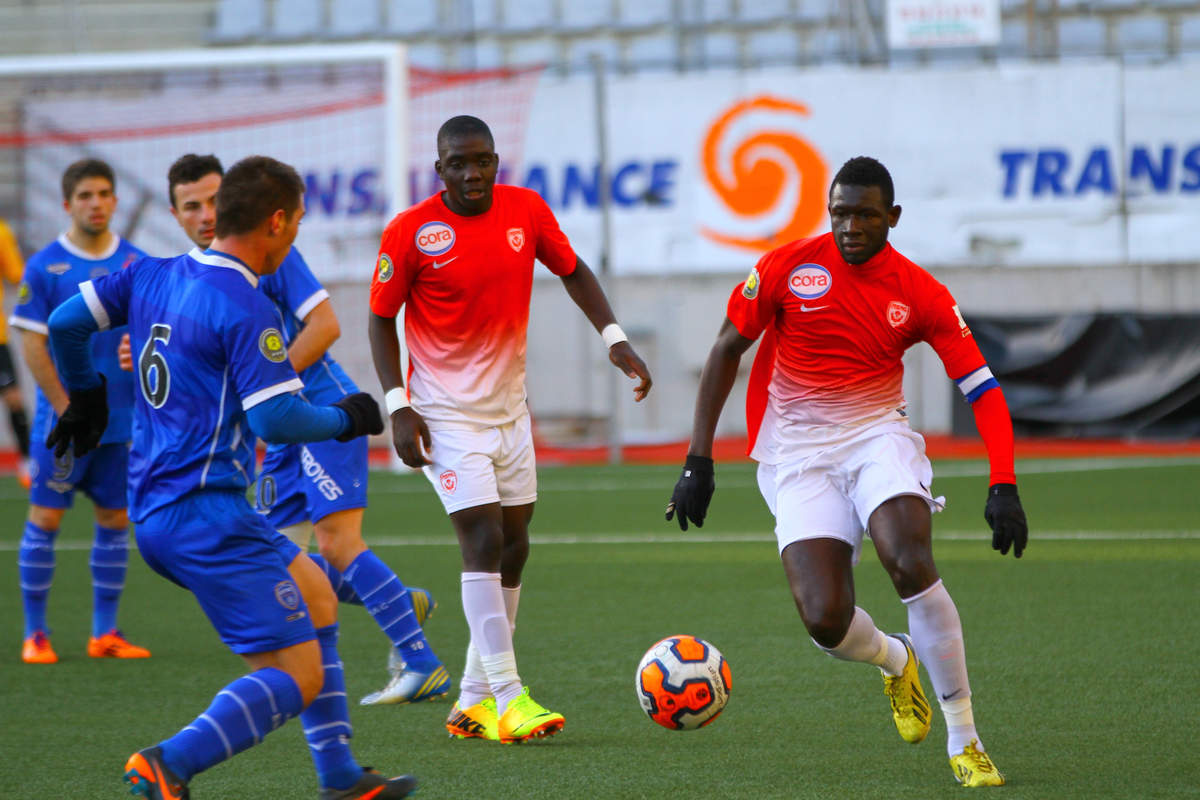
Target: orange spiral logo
[764,170]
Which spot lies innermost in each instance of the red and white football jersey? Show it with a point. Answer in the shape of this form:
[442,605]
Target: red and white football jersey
[467,283]
[836,333]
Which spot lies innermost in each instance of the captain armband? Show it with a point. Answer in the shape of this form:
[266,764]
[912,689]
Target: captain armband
[974,384]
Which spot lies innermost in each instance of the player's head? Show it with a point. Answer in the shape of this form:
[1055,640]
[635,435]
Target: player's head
[467,164]
[192,183]
[89,190]
[861,208]
[263,199]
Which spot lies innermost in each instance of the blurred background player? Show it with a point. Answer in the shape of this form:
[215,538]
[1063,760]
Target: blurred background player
[462,260]
[88,249]
[295,503]
[836,455]
[211,365]
[11,269]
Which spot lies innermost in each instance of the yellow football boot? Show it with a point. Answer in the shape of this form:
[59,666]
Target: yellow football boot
[972,767]
[910,709]
[477,722]
[524,719]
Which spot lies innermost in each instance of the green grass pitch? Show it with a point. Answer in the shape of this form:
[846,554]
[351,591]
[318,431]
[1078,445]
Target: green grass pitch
[1083,654]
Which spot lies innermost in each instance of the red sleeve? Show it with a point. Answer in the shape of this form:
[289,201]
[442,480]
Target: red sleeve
[393,274]
[754,301]
[995,426]
[943,327]
[553,248]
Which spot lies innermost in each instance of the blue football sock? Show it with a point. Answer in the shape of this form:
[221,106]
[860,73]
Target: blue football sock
[327,720]
[110,555]
[240,716]
[35,564]
[341,587]
[388,602]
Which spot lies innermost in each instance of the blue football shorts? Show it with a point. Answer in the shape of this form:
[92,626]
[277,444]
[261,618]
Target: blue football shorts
[215,545]
[102,474]
[311,481]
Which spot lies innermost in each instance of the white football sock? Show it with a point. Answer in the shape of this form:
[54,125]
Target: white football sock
[936,632]
[491,636]
[864,642]
[474,686]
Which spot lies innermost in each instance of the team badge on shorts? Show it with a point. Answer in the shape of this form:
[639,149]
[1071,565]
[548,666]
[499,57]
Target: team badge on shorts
[750,290]
[516,238]
[287,595]
[897,313]
[384,268]
[449,481]
[270,344]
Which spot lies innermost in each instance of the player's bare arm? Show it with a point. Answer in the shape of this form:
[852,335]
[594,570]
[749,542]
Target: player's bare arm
[37,357]
[410,434]
[695,487]
[321,329]
[585,291]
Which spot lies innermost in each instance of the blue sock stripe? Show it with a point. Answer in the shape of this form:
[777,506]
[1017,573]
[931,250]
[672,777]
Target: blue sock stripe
[267,692]
[327,720]
[216,728]
[245,713]
[36,562]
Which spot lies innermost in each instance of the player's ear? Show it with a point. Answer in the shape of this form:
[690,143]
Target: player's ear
[893,216]
[437,166]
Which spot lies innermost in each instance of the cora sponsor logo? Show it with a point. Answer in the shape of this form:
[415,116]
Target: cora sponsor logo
[434,238]
[765,173]
[809,281]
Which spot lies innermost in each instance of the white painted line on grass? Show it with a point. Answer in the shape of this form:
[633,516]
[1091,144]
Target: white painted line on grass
[734,537]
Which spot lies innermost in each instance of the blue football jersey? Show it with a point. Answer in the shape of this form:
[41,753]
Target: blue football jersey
[295,291]
[206,348]
[52,276]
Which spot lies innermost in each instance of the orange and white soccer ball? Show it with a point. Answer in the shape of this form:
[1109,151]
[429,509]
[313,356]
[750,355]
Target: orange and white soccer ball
[683,682]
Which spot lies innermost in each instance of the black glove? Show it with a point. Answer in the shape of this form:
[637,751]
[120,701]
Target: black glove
[364,415]
[1007,519]
[693,491]
[83,422]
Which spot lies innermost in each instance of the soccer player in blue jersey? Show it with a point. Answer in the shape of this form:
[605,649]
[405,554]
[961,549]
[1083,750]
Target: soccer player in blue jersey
[213,372]
[321,485]
[87,250]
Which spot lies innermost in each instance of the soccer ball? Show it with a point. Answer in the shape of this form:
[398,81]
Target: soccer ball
[683,682]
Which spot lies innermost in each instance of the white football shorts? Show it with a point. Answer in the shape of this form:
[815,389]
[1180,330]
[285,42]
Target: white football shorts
[475,467]
[832,491]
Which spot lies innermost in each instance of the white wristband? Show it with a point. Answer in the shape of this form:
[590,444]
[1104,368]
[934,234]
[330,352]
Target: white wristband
[395,399]
[612,334]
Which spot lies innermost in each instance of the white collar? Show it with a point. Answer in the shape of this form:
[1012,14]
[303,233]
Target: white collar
[217,260]
[76,251]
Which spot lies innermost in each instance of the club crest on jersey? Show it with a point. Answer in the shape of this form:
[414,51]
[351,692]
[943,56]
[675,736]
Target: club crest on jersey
[810,281]
[897,313]
[516,238]
[962,323]
[58,269]
[434,238]
[449,481]
[270,344]
[384,268]
[287,595]
[750,290]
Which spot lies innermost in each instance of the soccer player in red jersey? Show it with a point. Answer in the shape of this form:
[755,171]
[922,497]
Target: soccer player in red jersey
[462,263]
[837,457]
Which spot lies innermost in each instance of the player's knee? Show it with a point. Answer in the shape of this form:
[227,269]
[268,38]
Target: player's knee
[48,519]
[112,517]
[827,622]
[911,573]
[321,602]
[515,554]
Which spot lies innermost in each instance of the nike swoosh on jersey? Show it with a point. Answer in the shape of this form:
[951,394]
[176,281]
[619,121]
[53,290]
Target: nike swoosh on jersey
[812,308]
[439,265]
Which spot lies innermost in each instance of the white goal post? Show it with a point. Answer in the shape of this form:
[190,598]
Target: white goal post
[338,113]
